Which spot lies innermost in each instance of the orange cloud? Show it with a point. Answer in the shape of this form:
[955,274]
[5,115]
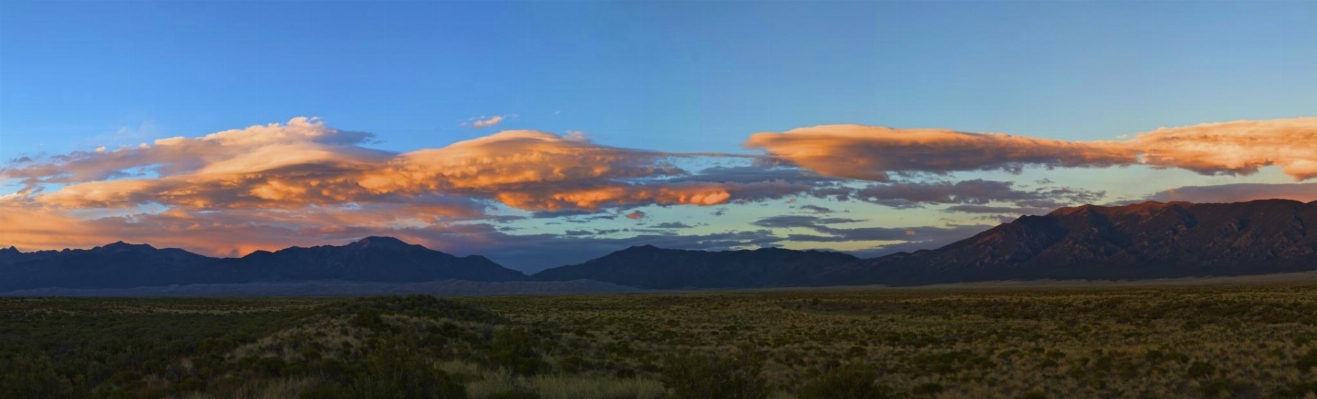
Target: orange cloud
[1239,147]
[304,163]
[513,159]
[232,232]
[873,153]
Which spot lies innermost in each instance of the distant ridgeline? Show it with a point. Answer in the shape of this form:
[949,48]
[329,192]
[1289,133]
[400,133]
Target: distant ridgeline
[119,265]
[1143,241]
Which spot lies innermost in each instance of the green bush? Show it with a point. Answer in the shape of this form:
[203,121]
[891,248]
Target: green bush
[853,381]
[694,376]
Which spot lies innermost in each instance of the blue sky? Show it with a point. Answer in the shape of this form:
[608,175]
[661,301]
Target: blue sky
[666,76]
[658,76]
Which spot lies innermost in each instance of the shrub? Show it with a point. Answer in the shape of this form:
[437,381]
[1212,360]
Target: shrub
[514,349]
[573,364]
[34,379]
[693,376]
[370,319]
[329,390]
[514,394]
[1296,391]
[1308,361]
[928,388]
[389,374]
[1201,369]
[1218,387]
[853,381]
[400,374]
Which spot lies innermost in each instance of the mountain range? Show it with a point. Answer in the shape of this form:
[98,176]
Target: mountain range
[120,265]
[1140,241]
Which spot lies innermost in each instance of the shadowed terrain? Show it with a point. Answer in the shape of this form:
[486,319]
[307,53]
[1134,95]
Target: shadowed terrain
[1166,341]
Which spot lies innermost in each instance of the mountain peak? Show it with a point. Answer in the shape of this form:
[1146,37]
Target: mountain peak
[379,242]
[639,248]
[1127,208]
[120,246]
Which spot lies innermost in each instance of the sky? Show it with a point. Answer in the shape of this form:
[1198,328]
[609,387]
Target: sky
[540,134]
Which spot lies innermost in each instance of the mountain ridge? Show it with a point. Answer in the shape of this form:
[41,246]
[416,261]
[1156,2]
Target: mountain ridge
[1146,240]
[123,265]
[651,267]
[1140,241]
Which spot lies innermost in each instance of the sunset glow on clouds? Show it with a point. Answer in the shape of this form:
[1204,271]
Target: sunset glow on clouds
[876,153]
[1240,147]
[303,182]
[305,163]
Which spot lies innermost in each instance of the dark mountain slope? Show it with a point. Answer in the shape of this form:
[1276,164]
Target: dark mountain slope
[377,259]
[119,265]
[116,265]
[658,268]
[1148,240]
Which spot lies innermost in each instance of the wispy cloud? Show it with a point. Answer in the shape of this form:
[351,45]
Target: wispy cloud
[976,191]
[915,237]
[488,121]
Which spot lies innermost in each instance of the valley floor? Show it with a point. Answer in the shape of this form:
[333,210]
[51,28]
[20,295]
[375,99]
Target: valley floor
[1232,339]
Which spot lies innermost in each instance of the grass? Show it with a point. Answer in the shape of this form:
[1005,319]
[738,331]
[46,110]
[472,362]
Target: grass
[1172,341]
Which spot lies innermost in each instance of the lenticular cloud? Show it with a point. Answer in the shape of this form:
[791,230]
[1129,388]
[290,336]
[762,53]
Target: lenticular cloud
[874,153]
[305,163]
[1239,147]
